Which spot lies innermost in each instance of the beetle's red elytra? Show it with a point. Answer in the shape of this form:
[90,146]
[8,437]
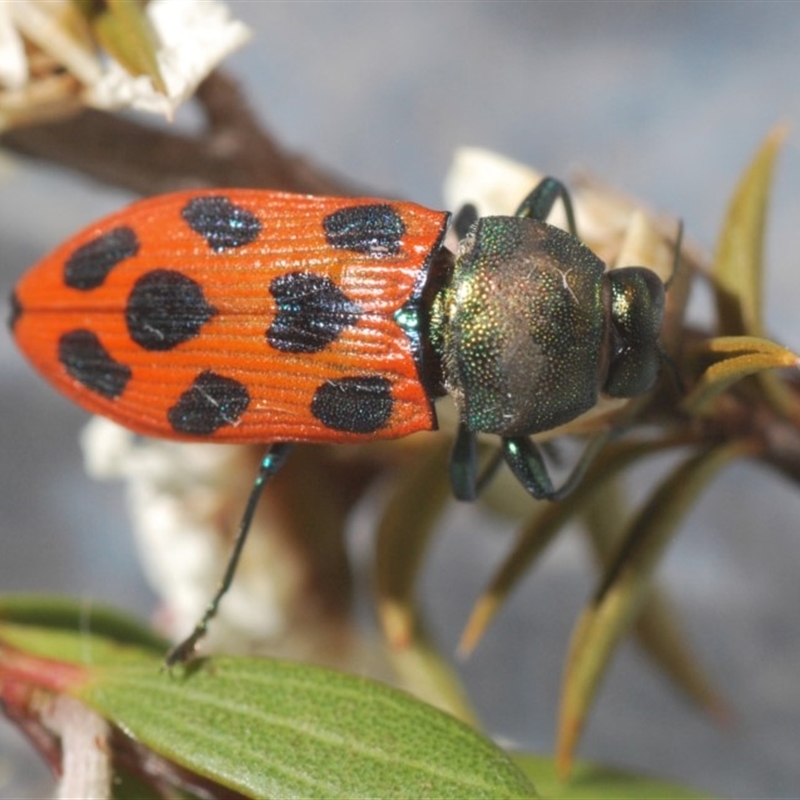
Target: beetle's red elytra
[243,316]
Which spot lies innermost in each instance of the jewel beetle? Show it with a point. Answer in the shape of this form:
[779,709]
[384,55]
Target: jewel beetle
[256,316]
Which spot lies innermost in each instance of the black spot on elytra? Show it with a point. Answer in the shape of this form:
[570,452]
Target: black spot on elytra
[312,312]
[86,360]
[89,265]
[375,230]
[166,308]
[357,404]
[15,310]
[211,402]
[221,223]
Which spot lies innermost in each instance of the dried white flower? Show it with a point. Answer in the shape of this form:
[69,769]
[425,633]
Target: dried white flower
[13,64]
[64,69]
[184,501]
[494,184]
[194,36]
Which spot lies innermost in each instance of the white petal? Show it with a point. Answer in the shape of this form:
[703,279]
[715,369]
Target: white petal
[493,183]
[40,24]
[195,36]
[13,64]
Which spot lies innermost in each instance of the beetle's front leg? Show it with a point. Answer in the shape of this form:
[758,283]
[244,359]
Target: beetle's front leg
[527,464]
[539,203]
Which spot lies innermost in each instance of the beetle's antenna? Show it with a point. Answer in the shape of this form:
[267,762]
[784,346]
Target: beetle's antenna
[669,362]
[677,257]
[666,358]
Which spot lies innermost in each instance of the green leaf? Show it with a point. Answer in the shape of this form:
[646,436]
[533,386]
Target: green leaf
[421,668]
[626,584]
[82,648]
[657,629]
[65,613]
[259,727]
[750,355]
[738,259]
[592,782]
[274,729]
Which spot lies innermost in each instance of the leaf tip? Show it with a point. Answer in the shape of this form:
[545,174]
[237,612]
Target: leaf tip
[398,624]
[565,748]
[778,134]
[482,614]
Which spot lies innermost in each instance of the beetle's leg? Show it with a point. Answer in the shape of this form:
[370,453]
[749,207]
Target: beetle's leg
[467,483]
[464,464]
[539,203]
[464,220]
[527,464]
[270,464]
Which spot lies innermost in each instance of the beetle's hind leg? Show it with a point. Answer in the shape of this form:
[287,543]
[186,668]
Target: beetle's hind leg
[272,461]
[539,203]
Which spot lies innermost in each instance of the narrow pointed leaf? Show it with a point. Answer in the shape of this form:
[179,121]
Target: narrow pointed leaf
[780,397]
[403,534]
[656,629]
[125,32]
[54,612]
[625,586]
[661,636]
[422,669]
[540,531]
[738,259]
[753,356]
[742,345]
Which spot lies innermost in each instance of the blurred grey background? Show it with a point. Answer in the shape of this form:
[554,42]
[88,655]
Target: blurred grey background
[665,100]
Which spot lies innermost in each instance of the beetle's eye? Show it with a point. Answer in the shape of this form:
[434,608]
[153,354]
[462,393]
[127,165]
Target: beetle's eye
[637,308]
